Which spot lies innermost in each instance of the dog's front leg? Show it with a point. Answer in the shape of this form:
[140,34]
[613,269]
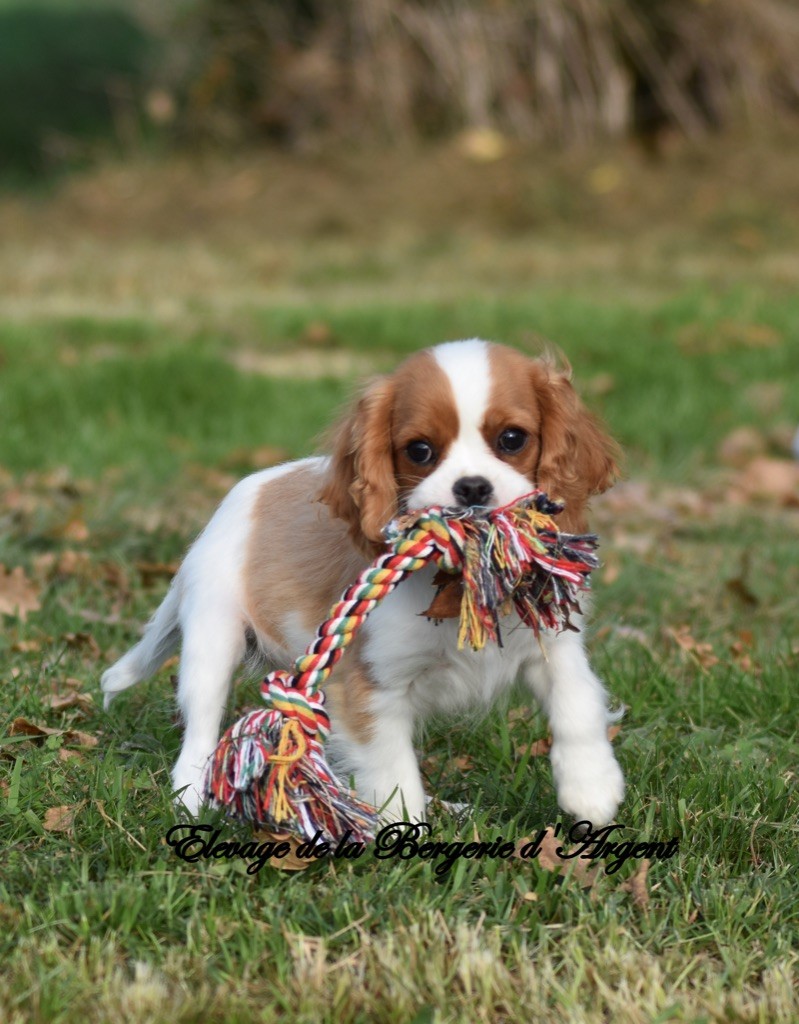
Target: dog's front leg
[588,779]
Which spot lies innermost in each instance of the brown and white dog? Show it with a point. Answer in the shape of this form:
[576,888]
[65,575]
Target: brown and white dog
[465,423]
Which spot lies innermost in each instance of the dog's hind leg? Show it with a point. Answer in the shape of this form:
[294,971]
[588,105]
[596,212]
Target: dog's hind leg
[214,644]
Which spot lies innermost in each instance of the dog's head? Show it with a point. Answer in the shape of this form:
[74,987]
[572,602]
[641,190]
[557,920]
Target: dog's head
[465,423]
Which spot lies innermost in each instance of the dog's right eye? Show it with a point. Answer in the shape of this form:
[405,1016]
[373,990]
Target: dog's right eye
[420,452]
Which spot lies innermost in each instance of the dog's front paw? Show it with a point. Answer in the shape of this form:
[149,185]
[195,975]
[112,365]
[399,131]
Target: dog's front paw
[187,779]
[588,780]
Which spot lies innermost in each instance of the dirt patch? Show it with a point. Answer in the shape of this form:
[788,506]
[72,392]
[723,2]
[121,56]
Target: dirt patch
[308,363]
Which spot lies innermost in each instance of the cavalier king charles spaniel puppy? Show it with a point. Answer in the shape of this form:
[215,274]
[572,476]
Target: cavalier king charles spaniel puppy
[466,423]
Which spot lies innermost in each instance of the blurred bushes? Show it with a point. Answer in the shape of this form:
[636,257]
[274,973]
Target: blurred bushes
[298,72]
[557,71]
[67,75]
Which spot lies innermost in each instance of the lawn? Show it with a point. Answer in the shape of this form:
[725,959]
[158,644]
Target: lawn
[122,428]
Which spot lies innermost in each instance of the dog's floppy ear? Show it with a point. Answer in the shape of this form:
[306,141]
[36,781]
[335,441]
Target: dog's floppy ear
[359,486]
[577,458]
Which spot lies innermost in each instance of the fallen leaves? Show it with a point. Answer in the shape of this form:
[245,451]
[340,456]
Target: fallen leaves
[637,885]
[83,641]
[581,870]
[538,748]
[249,459]
[738,651]
[19,596]
[151,572]
[71,699]
[542,747]
[39,733]
[291,862]
[700,652]
[766,479]
[61,819]
[742,445]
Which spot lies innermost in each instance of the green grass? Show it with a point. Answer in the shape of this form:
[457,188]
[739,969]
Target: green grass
[103,922]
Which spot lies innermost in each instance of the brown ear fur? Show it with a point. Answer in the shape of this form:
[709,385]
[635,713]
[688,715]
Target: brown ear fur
[577,457]
[360,487]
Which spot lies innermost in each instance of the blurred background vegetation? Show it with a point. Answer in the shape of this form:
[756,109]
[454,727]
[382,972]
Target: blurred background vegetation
[298,73]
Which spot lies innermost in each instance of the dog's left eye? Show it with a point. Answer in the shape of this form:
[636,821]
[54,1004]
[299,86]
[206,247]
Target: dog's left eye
[512,440]
[420,452]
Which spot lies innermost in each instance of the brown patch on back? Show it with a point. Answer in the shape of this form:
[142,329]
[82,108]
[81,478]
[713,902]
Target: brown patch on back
[299,558]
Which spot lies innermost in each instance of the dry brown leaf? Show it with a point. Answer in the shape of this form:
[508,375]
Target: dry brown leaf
[22,727]
[210,477]
[538,748]
[43,564]
[637,885]
[73,563]
[739,588]
[611,569]
[741,446]
[601,384]
[71,699]
[580,869]
[702,653]
[27,646]
[60,819]
[542,747]
[152,571]
[115,577]
[76,738]
[767,479]
[66,754]
[291,862]
[74,530]
[766,396]
[741,651]
[73,737]
[18,595]
[80,640]
[318,334]
[255,458]
[70,683]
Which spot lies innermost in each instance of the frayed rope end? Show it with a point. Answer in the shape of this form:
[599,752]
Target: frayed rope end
[267,771]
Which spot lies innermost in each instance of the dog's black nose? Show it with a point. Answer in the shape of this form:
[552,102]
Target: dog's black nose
[472,490]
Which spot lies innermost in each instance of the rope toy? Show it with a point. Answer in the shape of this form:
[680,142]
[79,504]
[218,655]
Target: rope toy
[269,767]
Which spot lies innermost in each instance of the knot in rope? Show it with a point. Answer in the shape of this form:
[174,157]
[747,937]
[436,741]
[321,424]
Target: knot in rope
[430,535]
[287,701]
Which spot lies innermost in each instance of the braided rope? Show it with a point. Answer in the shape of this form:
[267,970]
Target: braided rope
[430,540]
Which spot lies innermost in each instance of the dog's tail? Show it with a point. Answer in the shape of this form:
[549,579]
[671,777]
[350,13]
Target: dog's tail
[160,639]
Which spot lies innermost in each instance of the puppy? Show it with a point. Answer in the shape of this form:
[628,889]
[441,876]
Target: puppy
[465,423]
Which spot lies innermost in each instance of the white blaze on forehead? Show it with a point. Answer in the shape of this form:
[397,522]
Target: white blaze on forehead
[466,364]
